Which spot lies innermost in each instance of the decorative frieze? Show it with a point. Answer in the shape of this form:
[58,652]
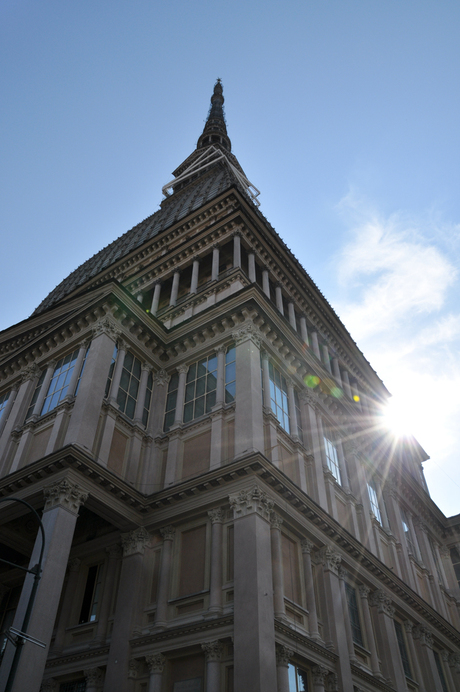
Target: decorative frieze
[64,494]
[155,663]
[135,541]
[424,635]
[382,602]
[319,674]
[364,591]
[252,500]
[213,650]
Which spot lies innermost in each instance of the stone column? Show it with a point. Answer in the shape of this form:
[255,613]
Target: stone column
[67,604]
[326,358]
[85,414]
[370,639]
[215,263]
[220,385]
[195,273]
[115,553]
[217,414]
[319,675]
[454,665]
[336,371]
[236,250]
[307,547]
[155,664]
[62,503]
[139,410]
[272,450]
[174,289]
[161,616]
[217,517]
[346,384]
[252,267]
[451,577]
[283,656]
[129,589]
[430,675]
[358,474]
[315,345]
[291,313]
[342,466]
[266,282]
[337,613]
[292,409]
[304,330]
[182,370]
[277,567]
[448,673]
[346,614]
[9,406]
[355,392]
[249,436]
[213,652]
[29,380]
[76,369]
[155,298]
[122,347]
[254,635]
[93,677]
[279,299]
[387,642]
[152,470]
[414,660]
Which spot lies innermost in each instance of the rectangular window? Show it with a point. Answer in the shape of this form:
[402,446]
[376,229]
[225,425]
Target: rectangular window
[442,677]
[373,498]
[332,459]
[298,681]
[129,385]
[148,399]
[3,402]
[291,569]
[200,388]
[354,615]
[192,563]
[59,384]
[30,410]
[230,374]
[81,372]
[435,560]
[171,401]
[279,396]
[407,533]
[111,369]
[455,557]
[298,416]
[402,648]
[91,597]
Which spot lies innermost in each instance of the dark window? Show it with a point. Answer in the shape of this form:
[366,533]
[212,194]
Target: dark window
[76,686]
[455,557]
[111,369]
[30,410]
[441,672]
[354,615]
[60,381]
[200,389]
[3,402]
[129,385]
[89,607]
[148,399]
[402,648]
[230,374]
[171,401]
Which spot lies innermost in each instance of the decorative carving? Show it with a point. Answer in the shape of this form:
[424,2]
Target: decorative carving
[364,591]
[161,378]
[408,626]
[146,366]
[93,677]
[249,501]
[115,551]
[221,349]
[342,573]
[135,541]
[307,546]
[106,326]
[454,662]
[283,655]
[74,564]
[247,332]
[155,663]
[332,683]
[319,674]
[30,372]
[213,650]
[330,559]
[182,369]
[307,396]
[217,515]
[275,521]
[64,494]
[424,635]
[382,601]
[49,685]
[133,669]
[168,533]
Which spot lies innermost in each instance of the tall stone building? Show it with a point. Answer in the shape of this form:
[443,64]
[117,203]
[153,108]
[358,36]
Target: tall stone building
[222,509]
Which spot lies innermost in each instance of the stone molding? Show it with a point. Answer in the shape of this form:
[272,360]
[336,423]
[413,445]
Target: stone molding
[247,332]
[213,650]
[64,494]
[161,378]
[283,655]
[250,501]
[93,676]
[217,515]
[382,602]
[275,521]
[408,626]
[107,326]
[330,559]
[135,542]
[307,396]
[168,533]
[30,372]
[155,663]
[307,546]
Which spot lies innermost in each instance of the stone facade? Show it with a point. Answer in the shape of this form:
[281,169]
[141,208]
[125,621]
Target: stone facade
[199,433]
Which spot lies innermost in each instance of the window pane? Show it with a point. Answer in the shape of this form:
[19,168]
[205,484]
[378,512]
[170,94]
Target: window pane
[199,407]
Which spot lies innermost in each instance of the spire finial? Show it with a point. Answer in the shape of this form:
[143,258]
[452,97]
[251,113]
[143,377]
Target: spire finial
[215,130]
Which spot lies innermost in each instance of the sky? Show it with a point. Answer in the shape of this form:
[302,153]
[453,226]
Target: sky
[343,113]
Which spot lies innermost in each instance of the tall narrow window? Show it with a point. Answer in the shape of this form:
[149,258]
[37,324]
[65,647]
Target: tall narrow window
[332,459]
[298,416]
[81,372]
[278,396]
[200,390]
[407,533]
[230,374]
[435,560]
[3,402]
[171,402]
[60,381]
[298,679]
[402,648]
[455,557]
[354,615]
[91,597]
[111,369]
[30,410]
[148,399]
[129,385]
[374,500]
[442,677]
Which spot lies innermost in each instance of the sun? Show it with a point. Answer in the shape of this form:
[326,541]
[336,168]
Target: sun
[400,416]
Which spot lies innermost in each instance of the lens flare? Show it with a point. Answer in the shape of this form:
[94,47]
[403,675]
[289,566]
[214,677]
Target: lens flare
[311,381]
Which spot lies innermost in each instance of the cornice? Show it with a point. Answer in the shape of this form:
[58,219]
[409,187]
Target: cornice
[76,657]
[291,635]
[174,633]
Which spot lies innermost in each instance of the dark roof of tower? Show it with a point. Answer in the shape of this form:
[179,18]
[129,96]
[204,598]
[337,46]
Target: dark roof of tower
[187,196]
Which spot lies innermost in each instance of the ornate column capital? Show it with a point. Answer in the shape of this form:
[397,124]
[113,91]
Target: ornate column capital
[64,494]
[408,626]
[161,378]
[135,542]
[275,521]
[222,348]
[133,669]
[213,650]
[106,325]
[49,685]
[319,674]
[382,601]
[454,662]
[364,591]
[217,515]
[93,677]
[307,546]
[146,366]
[424,635]
[114,551]
[30,372]
[307,396]
[168,532]
[250,501]
[283,655]
[330,559]
[182,369]
[155,663]
[247,332]
[332,683]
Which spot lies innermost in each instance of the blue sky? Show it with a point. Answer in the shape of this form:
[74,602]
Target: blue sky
[344,113]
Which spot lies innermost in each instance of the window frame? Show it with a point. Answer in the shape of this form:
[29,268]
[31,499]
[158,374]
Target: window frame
[332,458]
[374,500]
[356,626]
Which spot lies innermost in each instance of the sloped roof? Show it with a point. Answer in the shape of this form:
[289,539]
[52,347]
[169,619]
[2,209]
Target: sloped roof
[212,183]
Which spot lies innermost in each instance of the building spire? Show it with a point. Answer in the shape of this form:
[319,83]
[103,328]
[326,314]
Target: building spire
[215,130]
